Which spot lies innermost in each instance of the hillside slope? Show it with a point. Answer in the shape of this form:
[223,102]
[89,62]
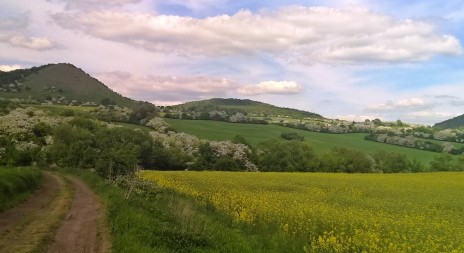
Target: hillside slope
[61,83]
[451,123]
[245,106]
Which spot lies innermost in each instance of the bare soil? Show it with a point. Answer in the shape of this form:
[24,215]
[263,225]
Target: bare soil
[82,229]
[55,220]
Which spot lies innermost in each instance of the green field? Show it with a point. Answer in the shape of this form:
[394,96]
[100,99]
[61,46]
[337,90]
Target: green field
[216,130]
[317,212]
[16,184]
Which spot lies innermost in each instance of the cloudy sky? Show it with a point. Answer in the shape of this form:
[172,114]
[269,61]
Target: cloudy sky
[347,59]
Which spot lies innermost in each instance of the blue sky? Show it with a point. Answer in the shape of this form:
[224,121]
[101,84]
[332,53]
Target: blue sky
[347,59]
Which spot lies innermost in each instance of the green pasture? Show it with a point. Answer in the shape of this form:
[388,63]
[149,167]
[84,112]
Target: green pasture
[254,133]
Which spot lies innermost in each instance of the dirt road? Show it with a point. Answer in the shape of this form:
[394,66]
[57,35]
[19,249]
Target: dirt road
[82,228]
[64,215]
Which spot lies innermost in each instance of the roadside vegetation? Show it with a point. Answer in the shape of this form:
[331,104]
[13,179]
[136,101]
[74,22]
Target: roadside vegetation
[17,184]
[143,217]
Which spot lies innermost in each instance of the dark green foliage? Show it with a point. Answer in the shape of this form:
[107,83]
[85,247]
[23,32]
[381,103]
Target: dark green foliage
[16,184]
[73,147]
[119,151]
[6,106]
[41,129]
[446,162]
[143,110]
[292,136]
[390,162]
[107,101]
[238,139]
[67,113]
[341,159]
[276,155]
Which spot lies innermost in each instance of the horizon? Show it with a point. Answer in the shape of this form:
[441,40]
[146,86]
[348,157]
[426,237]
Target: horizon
[342,59]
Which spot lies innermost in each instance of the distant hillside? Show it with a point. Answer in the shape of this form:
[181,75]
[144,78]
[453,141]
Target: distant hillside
[245,106]
[61,83]
[451,123]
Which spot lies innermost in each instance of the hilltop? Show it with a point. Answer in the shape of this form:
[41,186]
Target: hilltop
[61,83]
[455,122]
[245,106]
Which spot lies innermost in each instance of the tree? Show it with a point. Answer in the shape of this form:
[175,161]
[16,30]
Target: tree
[275,155]
[446,162]
[143,110]
[391,162]
[341,159]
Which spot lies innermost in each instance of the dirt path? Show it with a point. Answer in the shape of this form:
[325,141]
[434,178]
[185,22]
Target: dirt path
[82,229]
[29,226]
[64,215]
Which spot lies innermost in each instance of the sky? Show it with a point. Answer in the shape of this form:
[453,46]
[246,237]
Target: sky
[344,59]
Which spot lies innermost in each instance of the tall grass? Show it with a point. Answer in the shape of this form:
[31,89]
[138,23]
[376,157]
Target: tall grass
[16,184]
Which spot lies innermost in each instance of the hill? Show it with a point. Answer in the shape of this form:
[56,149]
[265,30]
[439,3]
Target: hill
[58,83]
[451,123]
[231,105]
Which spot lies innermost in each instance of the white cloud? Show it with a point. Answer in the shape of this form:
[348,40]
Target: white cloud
[409,104]
[305,34]
[431,115]
[13,31]
[166,88]
[35,43]
[95,4]
[270,87]
[7,68]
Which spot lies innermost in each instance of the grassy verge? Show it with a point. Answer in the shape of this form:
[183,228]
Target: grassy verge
[16,184]
[165,222]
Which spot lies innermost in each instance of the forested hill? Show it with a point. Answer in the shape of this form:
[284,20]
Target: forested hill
[451,123]
[61,83]
[245,106]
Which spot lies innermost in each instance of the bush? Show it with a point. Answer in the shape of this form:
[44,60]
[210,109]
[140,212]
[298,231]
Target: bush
[341,159]
[292,136]
[275,155]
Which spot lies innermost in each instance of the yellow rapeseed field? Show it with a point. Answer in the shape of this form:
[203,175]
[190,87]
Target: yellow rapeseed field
[337,212]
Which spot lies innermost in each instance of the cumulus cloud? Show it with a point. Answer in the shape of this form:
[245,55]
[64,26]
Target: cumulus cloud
[409,104]
[270,87]
[95,4]
[305,34]
[13,31]
[7,68]
[431,115]
[165,89]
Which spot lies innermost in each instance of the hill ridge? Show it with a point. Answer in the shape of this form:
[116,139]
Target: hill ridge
[61,83]
[244,106]
[455,122]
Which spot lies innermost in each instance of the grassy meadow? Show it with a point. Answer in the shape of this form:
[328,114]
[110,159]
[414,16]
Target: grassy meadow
[314,212]
[16,184]
[254,133]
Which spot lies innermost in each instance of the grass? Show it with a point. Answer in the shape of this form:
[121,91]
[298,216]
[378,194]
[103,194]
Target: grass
[317,212]
[216,130]
[16,184]
[165,222]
